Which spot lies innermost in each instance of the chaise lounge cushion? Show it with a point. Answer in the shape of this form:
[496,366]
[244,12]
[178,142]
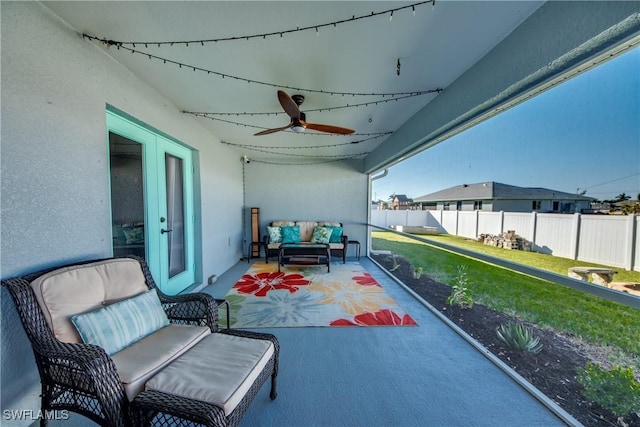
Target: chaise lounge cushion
[141,360]
[80,288]
[219,370]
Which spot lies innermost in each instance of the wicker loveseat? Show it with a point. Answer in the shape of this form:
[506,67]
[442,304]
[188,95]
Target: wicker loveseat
[164,377]
[304,232]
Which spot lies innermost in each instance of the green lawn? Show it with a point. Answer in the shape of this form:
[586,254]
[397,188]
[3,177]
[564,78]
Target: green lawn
[533,259]
[595,320]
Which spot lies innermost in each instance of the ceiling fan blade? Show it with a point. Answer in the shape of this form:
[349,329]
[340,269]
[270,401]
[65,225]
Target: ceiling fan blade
[288,105]
[274,130]
[328,128]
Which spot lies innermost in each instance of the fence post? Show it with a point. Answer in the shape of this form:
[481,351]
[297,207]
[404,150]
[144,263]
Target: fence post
[630,243]
[457,221]
[477,223]
[575,234]
[532,231]
[501,222]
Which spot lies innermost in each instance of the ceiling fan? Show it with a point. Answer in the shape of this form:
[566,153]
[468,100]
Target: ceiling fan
[291,104]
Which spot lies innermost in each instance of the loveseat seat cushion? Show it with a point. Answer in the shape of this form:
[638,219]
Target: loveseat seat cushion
[141,360]
[219,370]
[80,288]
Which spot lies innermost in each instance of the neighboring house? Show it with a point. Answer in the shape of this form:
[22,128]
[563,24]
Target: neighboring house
[495,196]
[400,202]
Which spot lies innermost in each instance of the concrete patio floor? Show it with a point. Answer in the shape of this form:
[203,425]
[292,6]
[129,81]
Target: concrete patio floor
[383,376]
[387,376]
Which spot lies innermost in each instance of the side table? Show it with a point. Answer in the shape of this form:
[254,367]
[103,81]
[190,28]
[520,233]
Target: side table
[250,251]
[357,245]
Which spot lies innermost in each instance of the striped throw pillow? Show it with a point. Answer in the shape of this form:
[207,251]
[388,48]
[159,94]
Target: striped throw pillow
[118,325]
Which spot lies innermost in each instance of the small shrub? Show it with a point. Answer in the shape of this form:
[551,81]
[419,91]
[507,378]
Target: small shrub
[417,272]
[616,390]
[459,295]
[519,337]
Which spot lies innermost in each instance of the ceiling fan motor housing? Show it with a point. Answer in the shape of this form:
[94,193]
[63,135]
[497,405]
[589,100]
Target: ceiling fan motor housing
[298,99]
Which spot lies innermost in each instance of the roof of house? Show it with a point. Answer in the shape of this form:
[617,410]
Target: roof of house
[401,198]
[496,191]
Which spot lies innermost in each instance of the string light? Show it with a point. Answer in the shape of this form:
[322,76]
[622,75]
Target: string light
[324,158]
[303,163]
[271,113]
[258,82]
[172,43]
[264,128]
[304,147]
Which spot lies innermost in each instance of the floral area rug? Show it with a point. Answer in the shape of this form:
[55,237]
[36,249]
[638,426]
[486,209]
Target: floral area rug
[303,296]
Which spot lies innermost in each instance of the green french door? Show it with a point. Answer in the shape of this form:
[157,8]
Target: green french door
[152,201]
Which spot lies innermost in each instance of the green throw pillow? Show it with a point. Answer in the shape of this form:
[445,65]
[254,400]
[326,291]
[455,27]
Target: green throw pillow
[321,235]
[336,235]
[275,235]
[290,234]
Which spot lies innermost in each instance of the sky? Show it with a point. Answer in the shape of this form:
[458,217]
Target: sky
[581,135]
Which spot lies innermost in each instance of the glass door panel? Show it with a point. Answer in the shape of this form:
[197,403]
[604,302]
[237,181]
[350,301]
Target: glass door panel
[127,196]
[176,220]
[175,215]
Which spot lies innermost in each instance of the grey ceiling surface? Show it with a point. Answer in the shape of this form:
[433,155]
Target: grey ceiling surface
[434,46]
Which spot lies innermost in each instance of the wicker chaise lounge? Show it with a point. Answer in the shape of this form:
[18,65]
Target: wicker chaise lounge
[99,384]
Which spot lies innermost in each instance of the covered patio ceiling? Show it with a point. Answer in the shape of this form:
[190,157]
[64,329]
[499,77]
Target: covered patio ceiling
[365,65]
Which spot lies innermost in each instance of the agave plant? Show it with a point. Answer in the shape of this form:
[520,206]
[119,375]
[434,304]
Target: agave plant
[519,337]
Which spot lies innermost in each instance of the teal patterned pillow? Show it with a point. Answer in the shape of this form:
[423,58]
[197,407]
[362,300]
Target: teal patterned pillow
[290,234]
[118,325]
[321,235]
[336,235]
[275,235]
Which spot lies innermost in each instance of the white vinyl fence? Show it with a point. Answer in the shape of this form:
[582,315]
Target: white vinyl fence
[602,239]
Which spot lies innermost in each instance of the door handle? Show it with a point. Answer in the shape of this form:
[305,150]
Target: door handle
[162,231]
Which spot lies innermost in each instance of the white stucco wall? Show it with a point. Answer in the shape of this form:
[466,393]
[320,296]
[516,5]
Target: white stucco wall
[334,191]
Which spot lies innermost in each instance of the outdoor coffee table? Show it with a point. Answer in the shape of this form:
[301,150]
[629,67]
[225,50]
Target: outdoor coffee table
[304,254]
